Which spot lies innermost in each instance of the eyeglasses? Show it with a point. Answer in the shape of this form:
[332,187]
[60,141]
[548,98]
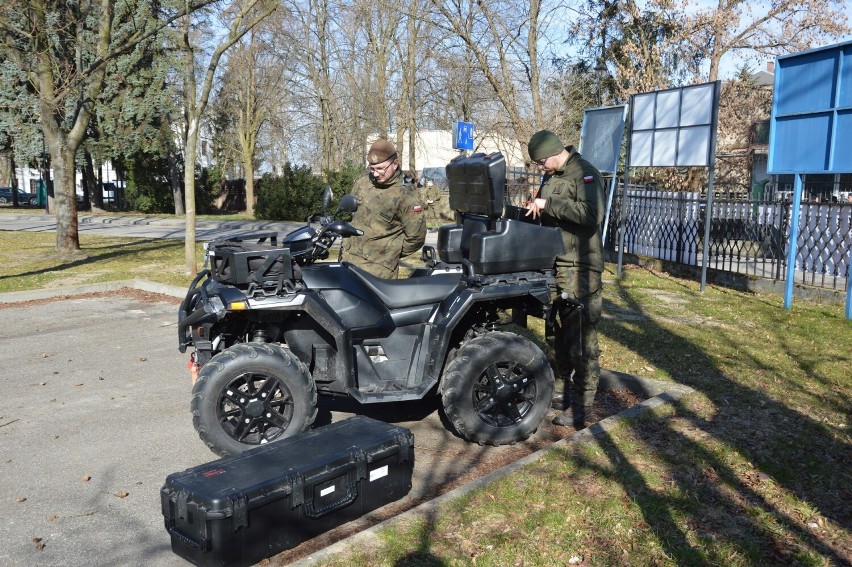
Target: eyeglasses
[380,170]
[541,162]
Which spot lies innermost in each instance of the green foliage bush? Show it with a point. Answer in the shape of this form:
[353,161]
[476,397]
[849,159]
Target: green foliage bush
[144,204]
[297,193]
[208,185]
[341,181]
[147,189]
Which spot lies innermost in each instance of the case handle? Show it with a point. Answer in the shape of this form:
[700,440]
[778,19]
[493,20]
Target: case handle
[202,545]
[351,494]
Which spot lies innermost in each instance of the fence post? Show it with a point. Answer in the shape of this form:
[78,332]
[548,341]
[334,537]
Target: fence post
[793,242]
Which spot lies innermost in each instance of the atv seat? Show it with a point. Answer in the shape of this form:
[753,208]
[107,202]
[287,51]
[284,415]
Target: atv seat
[396,294]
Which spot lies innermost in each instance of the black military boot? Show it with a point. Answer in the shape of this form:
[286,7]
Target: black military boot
[561,399]
[561,419]
[577,417]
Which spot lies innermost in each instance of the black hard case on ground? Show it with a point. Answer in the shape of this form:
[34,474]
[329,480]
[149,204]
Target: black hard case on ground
[239,510]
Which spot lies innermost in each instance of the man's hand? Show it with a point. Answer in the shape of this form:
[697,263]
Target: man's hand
[535,207]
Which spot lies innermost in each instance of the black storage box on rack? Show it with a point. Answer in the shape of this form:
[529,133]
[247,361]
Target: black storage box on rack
[237,262]
[477,184]
[512,246]
[239,510]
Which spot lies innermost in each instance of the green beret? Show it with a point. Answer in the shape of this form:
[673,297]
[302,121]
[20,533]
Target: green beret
[544,144]
[380,151]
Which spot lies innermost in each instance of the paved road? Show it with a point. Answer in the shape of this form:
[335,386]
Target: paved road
[151,227]
[142,227]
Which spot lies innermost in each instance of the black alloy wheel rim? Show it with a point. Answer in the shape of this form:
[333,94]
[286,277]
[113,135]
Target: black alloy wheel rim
[255,408]
[504,394]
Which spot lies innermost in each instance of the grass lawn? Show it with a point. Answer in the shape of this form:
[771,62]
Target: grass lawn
[755,468]
[28,260]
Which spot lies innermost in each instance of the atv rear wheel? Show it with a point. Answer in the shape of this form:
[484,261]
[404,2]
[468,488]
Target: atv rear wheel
[497,389]
[251,394]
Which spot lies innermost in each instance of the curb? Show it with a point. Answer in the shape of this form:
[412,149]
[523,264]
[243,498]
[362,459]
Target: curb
[142,285]
[661,392]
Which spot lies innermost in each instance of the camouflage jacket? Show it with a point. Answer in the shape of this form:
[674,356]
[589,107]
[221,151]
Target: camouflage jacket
[434,194]
[393,224]
[575,203]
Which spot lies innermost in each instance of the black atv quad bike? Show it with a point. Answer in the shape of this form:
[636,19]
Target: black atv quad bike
[272,327]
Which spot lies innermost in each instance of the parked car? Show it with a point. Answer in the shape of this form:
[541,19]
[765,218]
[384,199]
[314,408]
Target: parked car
[23,197]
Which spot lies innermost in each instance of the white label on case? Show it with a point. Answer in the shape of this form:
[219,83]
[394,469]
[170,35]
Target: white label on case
[326,491]
[378,473]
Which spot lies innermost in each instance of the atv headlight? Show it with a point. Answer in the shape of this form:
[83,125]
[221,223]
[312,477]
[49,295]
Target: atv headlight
[215,306]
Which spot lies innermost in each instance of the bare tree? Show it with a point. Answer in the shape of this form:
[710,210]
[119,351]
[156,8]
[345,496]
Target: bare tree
[503,39]
[414,47]
[238,19]
[252,83]
[786,26]
[315,43]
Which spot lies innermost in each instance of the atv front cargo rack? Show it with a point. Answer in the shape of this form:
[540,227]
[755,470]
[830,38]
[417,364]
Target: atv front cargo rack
[237,262]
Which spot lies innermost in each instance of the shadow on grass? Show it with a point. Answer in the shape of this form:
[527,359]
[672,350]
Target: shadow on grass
[719,502]
[116,251]
[423,556]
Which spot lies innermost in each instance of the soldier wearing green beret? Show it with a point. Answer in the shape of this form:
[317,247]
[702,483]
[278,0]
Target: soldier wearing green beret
[571,197]
[389,213]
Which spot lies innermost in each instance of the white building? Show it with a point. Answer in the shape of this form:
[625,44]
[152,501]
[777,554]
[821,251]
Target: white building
[29,178]
[434,149]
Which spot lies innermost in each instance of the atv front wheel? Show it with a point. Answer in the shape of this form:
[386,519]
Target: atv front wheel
[497,389]
[251,394]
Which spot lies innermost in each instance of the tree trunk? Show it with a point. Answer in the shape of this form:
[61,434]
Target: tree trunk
[189,194]
[91,186]
[248,168]
[174,181]
[65,203]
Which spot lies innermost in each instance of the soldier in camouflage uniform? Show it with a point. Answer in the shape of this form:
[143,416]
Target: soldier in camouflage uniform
[432,203]
[571,197]
[389,213]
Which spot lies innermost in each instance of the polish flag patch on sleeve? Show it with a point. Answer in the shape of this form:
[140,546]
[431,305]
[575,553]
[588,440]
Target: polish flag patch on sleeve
[418,208]
[589,179]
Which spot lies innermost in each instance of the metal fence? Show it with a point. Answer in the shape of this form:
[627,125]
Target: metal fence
[746,236]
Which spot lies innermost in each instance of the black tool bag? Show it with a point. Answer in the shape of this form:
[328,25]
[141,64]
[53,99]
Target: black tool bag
[239,510]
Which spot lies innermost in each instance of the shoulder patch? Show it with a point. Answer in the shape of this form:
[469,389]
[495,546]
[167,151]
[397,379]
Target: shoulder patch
[417,208]
[588,179]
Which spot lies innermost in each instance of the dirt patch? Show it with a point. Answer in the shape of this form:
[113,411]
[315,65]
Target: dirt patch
[127,292]
[623,314]
[691,321]
[669,298]
[74,279]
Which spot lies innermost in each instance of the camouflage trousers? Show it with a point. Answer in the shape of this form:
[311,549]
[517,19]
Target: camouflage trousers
[577,365]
